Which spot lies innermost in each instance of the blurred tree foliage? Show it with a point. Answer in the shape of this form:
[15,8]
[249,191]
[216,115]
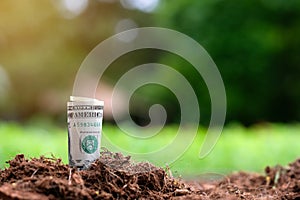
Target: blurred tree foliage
[42,45]
[256,46]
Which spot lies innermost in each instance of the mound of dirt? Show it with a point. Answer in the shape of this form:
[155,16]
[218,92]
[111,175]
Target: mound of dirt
[114,176]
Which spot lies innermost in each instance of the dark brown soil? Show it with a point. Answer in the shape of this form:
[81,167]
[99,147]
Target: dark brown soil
[116,177]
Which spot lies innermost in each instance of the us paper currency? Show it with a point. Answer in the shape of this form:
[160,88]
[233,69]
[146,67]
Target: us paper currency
[84,130]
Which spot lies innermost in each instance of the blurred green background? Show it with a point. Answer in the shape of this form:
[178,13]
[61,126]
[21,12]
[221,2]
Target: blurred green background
[254,43]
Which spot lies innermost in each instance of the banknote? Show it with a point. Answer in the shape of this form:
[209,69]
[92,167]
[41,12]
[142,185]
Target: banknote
[84,117]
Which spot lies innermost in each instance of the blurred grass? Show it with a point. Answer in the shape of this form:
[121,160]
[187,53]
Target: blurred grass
[239,148]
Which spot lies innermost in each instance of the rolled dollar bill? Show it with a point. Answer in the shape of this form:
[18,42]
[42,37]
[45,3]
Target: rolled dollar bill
[84,130]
